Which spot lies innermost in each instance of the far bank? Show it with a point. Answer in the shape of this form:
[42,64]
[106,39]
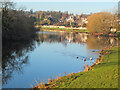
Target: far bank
[75,29]
[63,28]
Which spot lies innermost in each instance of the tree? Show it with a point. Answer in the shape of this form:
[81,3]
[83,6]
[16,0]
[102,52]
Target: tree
[31,11]
[6,18]
[16,25]
[42,16]
[100,22]
[38,19]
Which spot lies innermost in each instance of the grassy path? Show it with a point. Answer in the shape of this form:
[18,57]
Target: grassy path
[102,75]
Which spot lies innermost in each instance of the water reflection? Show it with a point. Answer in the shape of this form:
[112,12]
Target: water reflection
[16,54]
[63,37]
[93,42]
[97,42]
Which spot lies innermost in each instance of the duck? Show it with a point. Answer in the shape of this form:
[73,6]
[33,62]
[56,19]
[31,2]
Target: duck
[77,57]
[84,59]
[90,58]
[100,56]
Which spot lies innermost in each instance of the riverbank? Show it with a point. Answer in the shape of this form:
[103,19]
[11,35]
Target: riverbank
[112,34]
[63,29]
[103,74]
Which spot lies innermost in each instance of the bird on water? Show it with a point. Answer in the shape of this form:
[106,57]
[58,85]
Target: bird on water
[90,58]
[77,57]
[84,59]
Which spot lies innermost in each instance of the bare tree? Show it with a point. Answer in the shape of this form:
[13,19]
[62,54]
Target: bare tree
[100,22]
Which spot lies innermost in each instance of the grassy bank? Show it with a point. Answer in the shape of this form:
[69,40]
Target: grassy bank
[112,34]
[64,29]
[102,75]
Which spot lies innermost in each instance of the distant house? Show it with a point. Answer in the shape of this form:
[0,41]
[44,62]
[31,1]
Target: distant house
[70,19]
[84,19]
[45,19]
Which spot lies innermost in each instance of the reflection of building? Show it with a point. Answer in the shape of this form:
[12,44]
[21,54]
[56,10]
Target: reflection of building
[83,37]
[69,38]
[77,38]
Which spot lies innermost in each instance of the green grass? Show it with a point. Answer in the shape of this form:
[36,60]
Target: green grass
[103,75]
[64,29]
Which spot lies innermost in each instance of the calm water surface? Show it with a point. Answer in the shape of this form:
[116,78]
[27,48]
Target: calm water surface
[50,55]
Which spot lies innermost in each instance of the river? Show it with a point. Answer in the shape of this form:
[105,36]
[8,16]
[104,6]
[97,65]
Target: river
[49,55]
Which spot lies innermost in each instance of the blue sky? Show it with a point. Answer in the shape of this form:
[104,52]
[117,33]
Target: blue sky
[71,7]
[66,0]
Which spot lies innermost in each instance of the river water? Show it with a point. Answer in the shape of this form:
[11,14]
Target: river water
[49,55]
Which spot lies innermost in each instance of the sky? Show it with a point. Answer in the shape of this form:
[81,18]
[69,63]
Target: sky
[66,0]
[73,6]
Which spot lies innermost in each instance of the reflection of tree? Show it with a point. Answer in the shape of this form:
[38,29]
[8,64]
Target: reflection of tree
[97,42]
[52,38]
[63,37]
[14,56]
